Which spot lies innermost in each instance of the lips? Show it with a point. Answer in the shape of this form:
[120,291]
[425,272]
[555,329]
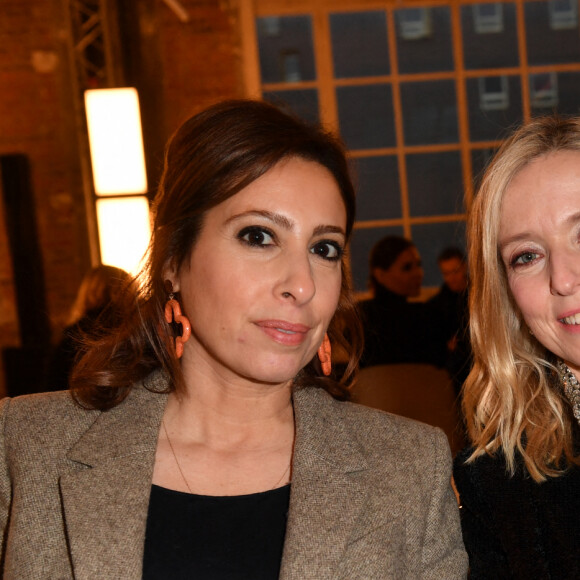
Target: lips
[284,332]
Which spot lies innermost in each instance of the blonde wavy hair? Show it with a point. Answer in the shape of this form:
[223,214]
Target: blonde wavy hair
[512,400]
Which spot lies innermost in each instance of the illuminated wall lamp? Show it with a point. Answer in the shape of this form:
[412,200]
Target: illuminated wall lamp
[118,163]
[124,231]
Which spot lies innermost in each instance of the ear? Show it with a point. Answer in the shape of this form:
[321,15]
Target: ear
[170,272]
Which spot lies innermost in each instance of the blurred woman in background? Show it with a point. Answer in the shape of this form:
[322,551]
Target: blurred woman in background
[95,309]
[395,329]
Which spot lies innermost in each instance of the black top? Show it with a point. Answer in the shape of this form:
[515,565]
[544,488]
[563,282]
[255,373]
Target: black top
[398,331]
[516,528]
[215,538]
[453,309]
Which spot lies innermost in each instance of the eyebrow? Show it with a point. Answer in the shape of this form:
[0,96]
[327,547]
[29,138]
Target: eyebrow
[570,220]
[284,222]
[512,239]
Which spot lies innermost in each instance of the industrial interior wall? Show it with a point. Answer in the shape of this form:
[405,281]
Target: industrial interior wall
[177,66]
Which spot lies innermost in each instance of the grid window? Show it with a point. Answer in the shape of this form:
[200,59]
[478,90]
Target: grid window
[378,190]
[286,50]
[435,186]
[424,39]
[489,36]
[366,116]
[360,45]
[421,93]
[494,105]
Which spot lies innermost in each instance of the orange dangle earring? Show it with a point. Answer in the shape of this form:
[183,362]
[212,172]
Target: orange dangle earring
[324,355]
[173,314]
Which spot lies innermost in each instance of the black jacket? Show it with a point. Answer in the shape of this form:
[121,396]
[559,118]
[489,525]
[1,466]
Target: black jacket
[516,528]
[398,331]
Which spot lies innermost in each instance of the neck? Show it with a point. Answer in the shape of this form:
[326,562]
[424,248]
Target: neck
[223,415]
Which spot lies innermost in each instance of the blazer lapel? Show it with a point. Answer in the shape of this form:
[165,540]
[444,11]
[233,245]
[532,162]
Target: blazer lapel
[326,497]
[105,492]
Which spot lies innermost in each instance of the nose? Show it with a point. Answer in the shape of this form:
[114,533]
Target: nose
[296,279]
[564,274]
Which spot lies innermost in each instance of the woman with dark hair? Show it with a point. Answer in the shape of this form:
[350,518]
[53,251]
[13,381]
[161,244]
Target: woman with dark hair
[396,330]
[95,310]
[207,437]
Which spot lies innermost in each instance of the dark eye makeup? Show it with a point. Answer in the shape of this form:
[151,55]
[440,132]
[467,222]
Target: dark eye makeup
[262,237]
[256,236]
[328,250]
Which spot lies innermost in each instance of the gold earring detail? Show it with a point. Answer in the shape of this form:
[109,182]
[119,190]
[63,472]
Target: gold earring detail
[173,314]
[324,355]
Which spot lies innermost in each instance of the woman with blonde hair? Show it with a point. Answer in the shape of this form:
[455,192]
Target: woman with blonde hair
[519,482]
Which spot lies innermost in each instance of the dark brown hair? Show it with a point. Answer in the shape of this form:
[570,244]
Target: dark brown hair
[384,254]
[100,287]
[210,158]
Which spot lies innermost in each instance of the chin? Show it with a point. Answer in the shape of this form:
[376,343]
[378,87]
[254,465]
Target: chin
[276,375]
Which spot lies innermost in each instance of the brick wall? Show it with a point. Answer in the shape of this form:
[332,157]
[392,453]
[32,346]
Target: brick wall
[181,66]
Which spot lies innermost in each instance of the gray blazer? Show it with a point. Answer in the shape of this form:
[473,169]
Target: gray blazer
[370,495]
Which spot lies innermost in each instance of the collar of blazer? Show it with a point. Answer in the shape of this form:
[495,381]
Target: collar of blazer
[105,491]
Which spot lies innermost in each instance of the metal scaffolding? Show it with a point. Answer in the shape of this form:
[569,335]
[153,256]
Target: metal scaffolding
[94,62]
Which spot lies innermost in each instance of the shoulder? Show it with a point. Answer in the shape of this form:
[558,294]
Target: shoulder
[378,430]
[38,408]
[374,420]
[486,486]
[54,420]
[45,419]
[376,433]
[485,467]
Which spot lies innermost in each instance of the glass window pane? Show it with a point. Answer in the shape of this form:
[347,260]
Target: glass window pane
[378,192]
[489,35]
[359,44]
[555,92]
[286,49]
[480,159]
[366,116]
[429,112]
[303,103]
[552,32]
[494,105]
[430,240]
[435,183]
[360,248]
[424,39]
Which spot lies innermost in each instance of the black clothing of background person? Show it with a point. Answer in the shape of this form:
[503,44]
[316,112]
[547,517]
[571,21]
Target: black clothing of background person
[514,527]
[452,308]
[398,331]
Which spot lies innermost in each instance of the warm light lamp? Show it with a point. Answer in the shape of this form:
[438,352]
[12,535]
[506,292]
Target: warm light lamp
[118,163]
[124,231]
[116,141]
